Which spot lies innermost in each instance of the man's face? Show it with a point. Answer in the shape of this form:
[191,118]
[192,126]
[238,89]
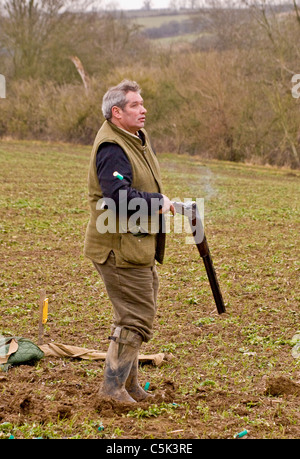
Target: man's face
[132,117]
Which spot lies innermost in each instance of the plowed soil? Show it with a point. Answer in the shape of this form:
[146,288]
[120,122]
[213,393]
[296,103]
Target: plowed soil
[222,373]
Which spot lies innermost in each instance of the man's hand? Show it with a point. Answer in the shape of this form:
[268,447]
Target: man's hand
[168,206]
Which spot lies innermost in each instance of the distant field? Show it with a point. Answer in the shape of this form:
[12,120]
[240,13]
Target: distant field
[162,27]
[218,378]
[178,39]
[158,21]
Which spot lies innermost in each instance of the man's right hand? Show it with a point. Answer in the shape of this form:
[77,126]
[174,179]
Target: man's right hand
[167,206]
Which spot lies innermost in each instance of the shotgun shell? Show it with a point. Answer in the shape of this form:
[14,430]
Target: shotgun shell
[147,385]
[119,176]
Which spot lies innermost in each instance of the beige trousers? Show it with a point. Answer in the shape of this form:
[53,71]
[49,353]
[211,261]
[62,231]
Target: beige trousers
[133,294]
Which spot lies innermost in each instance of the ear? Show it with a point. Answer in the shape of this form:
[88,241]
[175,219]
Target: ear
[116,112]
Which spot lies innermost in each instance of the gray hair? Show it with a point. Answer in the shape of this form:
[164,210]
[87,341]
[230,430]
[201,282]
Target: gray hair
[116,96]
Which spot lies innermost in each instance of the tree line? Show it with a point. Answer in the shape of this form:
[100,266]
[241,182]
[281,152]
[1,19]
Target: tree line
[226,94]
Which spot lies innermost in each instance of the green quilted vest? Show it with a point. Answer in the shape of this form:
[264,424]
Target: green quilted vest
[131,248]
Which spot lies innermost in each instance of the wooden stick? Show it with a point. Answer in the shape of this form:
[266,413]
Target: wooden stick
[41,325]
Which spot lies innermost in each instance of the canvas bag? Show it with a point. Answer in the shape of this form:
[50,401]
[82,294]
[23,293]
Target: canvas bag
[15,351]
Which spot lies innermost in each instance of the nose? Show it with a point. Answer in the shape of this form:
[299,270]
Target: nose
[144,110]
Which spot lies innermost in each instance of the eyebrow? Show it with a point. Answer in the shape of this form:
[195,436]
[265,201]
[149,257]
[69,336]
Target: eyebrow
[136,102]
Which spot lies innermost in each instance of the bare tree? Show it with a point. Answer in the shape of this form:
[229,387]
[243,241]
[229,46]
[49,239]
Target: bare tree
[280,25]
[27,27]
[31,30]
[147,5]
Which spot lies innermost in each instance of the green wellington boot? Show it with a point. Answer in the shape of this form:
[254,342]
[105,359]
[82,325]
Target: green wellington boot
[122,353]
[132,385]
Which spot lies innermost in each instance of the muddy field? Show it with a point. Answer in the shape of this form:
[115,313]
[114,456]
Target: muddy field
[221,373]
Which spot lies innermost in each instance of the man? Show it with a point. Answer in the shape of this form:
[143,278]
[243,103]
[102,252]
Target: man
[124,171]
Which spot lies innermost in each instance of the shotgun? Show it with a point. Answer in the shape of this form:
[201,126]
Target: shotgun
[190,210]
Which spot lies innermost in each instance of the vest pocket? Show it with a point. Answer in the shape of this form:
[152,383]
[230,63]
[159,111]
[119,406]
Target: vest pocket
[138,250]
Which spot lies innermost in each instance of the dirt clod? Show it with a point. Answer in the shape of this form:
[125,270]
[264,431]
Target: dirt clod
[282,386]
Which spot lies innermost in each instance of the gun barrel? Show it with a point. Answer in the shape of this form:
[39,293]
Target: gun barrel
[214,284]
[190,210]
[203,249]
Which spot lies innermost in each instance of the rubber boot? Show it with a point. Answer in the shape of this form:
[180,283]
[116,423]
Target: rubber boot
[122,352]
[132,385]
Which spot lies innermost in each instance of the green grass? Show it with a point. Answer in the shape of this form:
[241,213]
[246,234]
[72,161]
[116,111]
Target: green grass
[219,362]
